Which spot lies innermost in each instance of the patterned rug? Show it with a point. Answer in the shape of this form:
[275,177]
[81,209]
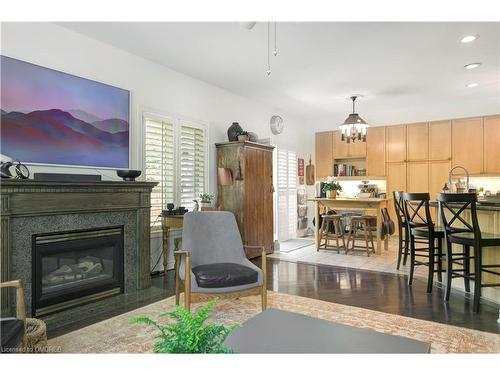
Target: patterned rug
[116,335]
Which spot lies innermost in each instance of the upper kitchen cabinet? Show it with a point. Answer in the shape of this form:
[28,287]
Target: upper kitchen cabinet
[340,148]
[491,144]
[440,140]
[418,141]
[395,144]
[467,147]
[324,154]
[357,149]
[375,151]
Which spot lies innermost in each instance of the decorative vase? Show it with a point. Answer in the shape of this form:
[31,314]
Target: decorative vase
[233,131]
[243,137]
[205,204]
[331,194]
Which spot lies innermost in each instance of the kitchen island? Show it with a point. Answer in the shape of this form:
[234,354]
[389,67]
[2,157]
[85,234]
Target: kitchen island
[351,204]
[488,217]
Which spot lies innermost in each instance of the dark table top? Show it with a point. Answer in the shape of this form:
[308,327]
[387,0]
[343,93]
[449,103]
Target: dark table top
[278,331]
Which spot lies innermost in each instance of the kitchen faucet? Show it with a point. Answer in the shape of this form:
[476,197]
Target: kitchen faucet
[466,173]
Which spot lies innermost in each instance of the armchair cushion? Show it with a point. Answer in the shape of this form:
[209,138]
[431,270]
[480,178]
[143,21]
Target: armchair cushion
[223,275]
[12,332]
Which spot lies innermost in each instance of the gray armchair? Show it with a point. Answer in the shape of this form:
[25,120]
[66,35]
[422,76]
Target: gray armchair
[213,262]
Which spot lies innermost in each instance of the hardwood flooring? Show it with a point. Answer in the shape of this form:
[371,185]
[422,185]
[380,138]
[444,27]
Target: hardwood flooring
[361,288]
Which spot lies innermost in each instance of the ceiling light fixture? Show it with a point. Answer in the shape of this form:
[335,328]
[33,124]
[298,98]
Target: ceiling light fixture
[275,49]
[354,127]
[469,38]
[472,66]
[473,84]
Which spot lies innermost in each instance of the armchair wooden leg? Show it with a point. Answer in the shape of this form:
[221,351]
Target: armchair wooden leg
[187,285]
[264,281]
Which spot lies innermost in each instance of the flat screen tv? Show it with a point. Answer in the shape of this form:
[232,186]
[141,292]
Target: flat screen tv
[51,117]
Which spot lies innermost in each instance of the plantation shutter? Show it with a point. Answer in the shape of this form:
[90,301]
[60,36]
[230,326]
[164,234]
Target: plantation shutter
[160,163]
[287,194]
[192,149]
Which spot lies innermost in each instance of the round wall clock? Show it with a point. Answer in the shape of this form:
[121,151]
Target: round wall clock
[276,125]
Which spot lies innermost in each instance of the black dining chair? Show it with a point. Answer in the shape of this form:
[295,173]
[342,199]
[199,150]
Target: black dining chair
[454,210]
[403,237]
[423,231]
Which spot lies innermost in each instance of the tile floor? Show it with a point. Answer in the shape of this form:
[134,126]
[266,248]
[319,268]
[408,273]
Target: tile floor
[385,262]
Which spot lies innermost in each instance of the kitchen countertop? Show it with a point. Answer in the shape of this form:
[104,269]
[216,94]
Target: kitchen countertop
[482,207]
[339,199]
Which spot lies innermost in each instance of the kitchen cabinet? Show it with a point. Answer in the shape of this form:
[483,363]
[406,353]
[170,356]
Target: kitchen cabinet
[342,149]
[492,144]
[418,141]
[440,140]
[324,154]
[395,138]
[438,176]
[417,177]
[357,149]
[375,151]
[467,147]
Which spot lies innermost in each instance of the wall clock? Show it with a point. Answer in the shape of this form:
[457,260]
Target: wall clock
[277,125]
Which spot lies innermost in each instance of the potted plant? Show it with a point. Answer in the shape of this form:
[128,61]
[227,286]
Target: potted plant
[331,188]
[243,136]
[206,199]
[188,332]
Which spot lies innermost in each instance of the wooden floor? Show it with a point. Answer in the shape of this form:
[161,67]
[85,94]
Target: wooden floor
[368,289]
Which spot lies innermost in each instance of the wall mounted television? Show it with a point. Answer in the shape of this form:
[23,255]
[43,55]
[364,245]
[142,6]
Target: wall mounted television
[51,117]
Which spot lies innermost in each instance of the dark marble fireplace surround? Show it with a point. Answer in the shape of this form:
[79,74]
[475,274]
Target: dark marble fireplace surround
[33,207]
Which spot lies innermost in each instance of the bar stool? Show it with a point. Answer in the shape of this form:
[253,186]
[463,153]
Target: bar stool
[403,235]
[422,230]
[468,234]
[362,228]
[331,222]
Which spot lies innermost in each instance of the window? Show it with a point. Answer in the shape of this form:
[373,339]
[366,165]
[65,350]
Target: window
[287,194]
[175,156]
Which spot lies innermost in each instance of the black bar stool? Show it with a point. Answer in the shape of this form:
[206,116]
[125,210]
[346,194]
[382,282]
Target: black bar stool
[423,231]
[403,237]
[468,234]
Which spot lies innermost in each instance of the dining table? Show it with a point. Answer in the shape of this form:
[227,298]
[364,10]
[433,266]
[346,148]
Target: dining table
[352,204]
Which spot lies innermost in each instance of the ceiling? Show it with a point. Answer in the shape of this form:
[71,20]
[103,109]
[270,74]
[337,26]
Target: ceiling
[405,71]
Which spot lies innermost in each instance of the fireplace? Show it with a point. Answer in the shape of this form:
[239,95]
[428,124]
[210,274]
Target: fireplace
[76,267]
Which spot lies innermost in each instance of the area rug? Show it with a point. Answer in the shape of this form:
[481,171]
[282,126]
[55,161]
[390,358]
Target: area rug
[291,245]
[116,335]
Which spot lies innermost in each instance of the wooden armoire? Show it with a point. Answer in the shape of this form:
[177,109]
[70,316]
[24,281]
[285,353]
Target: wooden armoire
[250,196]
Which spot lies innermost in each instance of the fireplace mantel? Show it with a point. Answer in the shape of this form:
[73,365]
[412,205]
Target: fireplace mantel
[28,206]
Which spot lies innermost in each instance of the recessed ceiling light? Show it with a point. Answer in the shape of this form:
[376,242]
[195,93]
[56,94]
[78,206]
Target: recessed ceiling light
[472,66]
[469,38]
[473,84]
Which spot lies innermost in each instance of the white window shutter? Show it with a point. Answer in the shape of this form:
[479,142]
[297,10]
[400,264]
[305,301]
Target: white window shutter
[160,163]
[192,165]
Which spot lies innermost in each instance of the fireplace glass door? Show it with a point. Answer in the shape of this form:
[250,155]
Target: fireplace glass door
[72,268]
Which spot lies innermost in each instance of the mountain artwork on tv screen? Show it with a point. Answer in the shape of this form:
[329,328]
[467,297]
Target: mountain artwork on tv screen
[50,117]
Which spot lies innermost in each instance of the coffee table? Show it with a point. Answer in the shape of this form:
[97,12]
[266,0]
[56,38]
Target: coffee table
[278,331]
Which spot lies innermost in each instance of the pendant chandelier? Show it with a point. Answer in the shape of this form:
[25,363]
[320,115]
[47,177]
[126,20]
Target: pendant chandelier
[354,127]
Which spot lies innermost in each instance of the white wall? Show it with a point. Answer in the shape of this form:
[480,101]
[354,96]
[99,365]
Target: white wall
[153,87]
